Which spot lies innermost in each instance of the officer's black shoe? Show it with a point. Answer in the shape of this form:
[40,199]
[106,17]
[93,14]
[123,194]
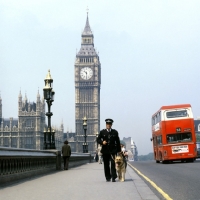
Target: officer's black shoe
[108,180]
[113,180]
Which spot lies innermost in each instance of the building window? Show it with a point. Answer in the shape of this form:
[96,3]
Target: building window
[6,142]
[29,143]
[199,127]
[28,123]
[159,140]
[14,142]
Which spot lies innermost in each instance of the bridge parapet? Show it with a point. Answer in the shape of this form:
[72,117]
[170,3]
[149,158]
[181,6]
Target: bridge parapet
[18,163]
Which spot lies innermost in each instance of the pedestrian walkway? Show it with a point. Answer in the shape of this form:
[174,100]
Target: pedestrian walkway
[84,182]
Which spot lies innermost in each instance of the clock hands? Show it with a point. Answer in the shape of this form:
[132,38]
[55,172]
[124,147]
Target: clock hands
[86,73]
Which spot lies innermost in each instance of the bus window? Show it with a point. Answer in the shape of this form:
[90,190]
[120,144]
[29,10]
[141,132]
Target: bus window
[153,121]
[159,140]
[156,121]
[159,117]
[174,114]
[179,137]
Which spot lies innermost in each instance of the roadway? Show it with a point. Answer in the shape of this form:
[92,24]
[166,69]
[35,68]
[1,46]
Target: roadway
[180,181]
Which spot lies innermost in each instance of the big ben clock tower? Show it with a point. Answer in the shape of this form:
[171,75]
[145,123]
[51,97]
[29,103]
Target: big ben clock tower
[87,90]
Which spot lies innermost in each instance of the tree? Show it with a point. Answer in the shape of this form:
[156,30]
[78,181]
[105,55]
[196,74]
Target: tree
[149,156]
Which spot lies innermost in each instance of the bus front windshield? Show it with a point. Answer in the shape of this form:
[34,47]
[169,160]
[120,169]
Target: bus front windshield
[179,137]
[175,114]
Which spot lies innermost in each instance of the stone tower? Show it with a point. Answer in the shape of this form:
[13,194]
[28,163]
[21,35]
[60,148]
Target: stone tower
[87,90]
[31,122]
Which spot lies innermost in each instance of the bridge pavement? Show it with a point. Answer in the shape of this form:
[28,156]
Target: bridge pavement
[83,182]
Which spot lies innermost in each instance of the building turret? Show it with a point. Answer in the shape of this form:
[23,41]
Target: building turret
[2,124]
[38,96]
[20,102]
[29,106]
[38,103]
[25,98]
[43,106]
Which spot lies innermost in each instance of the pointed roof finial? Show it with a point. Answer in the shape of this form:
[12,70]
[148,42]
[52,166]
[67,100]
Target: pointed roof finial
[87,30]
[48,76]
[87,10]
[25,99]
[20,94]
[38,94]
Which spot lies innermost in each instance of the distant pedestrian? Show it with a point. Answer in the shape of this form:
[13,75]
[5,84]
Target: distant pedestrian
[124,152]
[109,139]
[100,154]
[66,152]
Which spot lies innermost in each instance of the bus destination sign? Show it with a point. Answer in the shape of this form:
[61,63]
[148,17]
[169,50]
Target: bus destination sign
[180,149]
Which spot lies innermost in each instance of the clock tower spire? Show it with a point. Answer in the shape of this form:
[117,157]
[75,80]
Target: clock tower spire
[87,35]
[87,89]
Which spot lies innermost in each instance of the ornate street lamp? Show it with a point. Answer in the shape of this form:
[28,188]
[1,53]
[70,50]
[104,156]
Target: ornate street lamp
[49,138]
[85,145]
[45,139]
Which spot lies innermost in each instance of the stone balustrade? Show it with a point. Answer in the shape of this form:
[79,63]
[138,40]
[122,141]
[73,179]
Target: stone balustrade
[18,163]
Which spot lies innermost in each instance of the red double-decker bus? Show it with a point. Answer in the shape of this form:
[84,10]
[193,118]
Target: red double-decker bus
[173,134]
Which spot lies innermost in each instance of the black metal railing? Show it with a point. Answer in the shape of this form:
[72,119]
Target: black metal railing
[18,163]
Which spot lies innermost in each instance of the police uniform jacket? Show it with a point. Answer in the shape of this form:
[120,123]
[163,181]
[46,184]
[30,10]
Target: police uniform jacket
[112,139]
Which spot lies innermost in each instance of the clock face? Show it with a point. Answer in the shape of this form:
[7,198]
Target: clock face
[86,73]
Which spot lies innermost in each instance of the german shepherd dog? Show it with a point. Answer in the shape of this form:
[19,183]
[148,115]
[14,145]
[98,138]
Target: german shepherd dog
[120,165]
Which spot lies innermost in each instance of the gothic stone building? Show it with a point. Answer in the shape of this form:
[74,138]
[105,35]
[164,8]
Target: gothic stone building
[87,90]
[27,130]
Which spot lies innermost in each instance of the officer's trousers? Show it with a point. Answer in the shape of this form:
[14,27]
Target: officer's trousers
[110,172]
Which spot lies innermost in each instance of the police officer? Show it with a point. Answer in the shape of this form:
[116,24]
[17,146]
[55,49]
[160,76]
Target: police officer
[109,139]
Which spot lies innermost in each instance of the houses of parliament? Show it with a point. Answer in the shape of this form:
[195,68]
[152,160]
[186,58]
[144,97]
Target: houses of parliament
[28,130]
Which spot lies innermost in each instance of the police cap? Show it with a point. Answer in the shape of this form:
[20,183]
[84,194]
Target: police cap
[109,121]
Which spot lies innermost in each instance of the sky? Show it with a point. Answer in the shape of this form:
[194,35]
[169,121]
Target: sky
[149,53]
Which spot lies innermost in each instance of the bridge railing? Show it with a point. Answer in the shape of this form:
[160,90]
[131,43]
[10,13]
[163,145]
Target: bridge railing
[23,163]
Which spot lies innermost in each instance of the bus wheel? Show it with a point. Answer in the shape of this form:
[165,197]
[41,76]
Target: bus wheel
[165,161]
[157,161]
[190,160]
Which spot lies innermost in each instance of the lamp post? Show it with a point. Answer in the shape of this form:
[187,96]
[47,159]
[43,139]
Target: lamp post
[85,145]
[49,138]
[96,138]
